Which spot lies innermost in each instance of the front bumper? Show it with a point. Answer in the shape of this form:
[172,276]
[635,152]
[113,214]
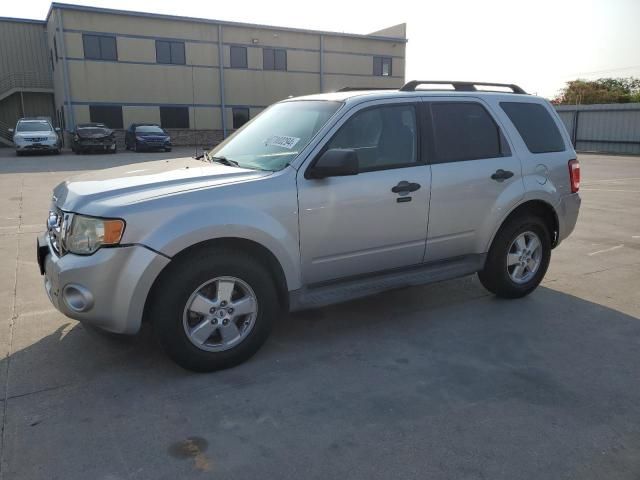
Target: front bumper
[567,211]
[47,145]
[107,289]
[96,145]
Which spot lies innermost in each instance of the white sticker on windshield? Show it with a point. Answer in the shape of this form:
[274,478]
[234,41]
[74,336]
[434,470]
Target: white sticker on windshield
[282,141]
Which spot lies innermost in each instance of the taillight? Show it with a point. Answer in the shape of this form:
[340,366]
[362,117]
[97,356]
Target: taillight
[574,175]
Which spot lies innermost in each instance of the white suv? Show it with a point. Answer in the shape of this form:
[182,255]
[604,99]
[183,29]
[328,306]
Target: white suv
[35,135]
[318,200]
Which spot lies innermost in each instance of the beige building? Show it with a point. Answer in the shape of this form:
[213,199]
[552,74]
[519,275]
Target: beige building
[192,74]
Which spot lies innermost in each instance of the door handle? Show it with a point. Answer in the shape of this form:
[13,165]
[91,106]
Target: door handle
[405,187]
[501,175]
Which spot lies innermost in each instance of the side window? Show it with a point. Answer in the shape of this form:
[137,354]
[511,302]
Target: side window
[238,57]
[535,126]
[465,131]
[383,137]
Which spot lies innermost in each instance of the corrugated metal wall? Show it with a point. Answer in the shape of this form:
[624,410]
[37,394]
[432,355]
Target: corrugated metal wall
[23,50]
[607,128]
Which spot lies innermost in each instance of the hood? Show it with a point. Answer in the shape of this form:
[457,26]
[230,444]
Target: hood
[40,133]
[93,133]
[152,134]
[128,184]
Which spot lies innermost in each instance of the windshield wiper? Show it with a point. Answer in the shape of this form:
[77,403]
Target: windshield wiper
[224,161]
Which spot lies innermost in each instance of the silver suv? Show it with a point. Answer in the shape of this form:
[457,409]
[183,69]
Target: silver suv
[35,135]
[318,200]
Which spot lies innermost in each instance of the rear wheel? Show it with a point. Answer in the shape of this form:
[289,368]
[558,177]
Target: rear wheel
[518,258]
[214,311]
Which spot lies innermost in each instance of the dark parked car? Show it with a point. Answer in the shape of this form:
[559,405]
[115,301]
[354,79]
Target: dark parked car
[93,137]
[147,136]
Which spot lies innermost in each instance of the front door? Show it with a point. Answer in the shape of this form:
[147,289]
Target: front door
[476,177]
[358,224]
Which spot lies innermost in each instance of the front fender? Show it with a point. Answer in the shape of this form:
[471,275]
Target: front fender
[264,211]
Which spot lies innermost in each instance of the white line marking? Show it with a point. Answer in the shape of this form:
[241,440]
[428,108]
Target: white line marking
[611,180]
[606,250]
[607,190]
[635,236]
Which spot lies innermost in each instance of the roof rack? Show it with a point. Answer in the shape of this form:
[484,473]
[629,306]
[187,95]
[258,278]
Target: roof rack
[357,89]
[459,86]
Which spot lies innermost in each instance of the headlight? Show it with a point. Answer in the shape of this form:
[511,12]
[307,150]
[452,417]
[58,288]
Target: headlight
[88,234]
[76,138]
[53,136]
[140,139]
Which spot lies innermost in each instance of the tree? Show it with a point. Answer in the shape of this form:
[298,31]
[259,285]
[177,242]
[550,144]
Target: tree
[603,90]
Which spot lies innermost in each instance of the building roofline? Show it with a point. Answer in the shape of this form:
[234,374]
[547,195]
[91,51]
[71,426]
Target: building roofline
[160,16]
[22,20]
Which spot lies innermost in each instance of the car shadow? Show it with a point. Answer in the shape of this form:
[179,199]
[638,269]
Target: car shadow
[440,324]
[444,364]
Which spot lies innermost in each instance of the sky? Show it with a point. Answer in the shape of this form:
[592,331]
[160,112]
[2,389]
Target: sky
[538,45]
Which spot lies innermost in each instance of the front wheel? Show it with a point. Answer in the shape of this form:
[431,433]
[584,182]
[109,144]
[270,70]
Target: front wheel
[518,258]
[214,311]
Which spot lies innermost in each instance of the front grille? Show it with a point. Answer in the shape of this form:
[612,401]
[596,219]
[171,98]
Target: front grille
[57,223]
[35,139]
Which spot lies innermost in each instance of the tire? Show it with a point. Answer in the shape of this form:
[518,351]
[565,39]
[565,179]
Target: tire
[18,154]
[113,150]
[170,315]
[167,149]
[497,276]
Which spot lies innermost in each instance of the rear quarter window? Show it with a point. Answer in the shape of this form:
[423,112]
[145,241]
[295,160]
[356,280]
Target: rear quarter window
[535,125]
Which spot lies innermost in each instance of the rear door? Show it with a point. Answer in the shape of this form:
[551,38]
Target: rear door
[476,177]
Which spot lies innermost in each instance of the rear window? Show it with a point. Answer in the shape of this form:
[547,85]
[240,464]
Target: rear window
[535,125]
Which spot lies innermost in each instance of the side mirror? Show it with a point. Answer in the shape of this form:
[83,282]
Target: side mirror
[58,129]
[337,162]
[10,130]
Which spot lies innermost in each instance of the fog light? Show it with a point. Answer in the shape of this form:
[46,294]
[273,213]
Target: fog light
[77,298]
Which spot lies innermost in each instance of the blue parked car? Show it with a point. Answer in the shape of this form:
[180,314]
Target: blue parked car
[147,136]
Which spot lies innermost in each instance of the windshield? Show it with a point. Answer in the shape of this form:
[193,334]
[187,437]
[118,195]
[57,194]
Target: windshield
[33,127]
[149,129]
[93,130]
[276,136]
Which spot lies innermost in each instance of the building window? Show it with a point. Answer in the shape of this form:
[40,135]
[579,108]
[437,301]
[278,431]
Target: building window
[382,66]
[174,117]
[274,59]
[170,52]
[55,48]
[51,58]
[240,116]
[238,57]
[110,115]
[99,47]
